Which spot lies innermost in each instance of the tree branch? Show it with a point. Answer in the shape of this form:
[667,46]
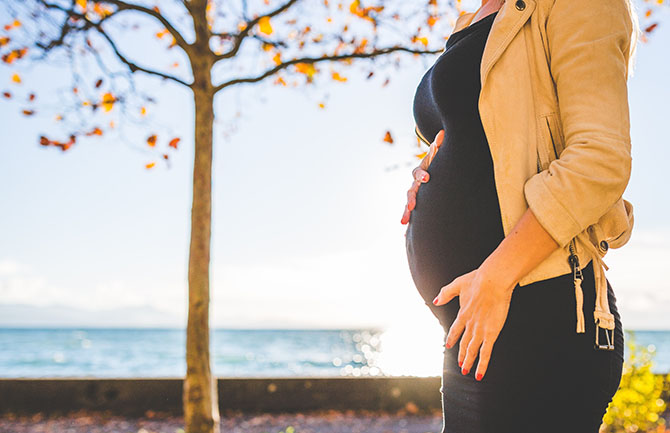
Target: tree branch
[133,66]
[98,26]
[173,31]
[239,37]
[313,60]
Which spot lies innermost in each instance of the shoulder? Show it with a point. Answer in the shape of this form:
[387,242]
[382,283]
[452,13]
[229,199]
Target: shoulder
[610,8]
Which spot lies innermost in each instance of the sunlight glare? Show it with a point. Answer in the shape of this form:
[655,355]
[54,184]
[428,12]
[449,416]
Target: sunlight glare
[414,350]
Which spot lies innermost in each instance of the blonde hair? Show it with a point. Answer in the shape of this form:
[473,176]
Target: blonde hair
[635,36]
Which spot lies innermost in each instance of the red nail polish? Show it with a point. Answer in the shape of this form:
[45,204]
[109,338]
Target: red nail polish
[465,372]
[479,376]
[435,301]
[460,363]
[448,346]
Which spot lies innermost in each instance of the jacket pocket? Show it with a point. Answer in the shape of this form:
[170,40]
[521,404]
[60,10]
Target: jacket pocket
[551,140]
[555,134]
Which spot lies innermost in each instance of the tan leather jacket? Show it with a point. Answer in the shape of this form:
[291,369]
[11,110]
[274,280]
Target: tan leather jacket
[554,106]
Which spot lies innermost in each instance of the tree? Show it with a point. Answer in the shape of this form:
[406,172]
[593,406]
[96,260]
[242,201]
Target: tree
[291,38]
[282,33]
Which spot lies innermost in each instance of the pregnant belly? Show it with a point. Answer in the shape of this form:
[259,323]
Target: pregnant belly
[456,222]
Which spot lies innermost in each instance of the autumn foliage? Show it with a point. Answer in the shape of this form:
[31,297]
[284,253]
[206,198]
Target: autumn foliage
[88,16]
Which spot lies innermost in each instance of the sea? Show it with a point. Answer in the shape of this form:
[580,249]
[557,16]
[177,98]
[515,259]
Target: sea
[149,352]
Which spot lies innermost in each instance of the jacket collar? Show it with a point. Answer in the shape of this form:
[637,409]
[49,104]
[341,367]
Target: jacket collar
[512,15]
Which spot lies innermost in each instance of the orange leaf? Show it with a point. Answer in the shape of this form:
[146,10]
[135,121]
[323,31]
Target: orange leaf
[150,165]
[7,95]
[174,142]
[264,25]
[423,40]
[338,77]
[108,101]
[143,111]
[421,155]
[98,83]
[81,4]
[306,68]
[151,141]
[9,57]
[4,40]
[322,105]
[388,138]
[277,58]
[28,112]
[102,10]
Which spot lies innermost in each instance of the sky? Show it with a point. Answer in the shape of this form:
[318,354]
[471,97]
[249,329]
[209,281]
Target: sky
[306,209]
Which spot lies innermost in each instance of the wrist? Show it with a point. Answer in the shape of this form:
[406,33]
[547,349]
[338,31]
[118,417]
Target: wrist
[501,272]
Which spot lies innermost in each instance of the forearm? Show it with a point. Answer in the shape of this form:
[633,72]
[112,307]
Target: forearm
[525,247]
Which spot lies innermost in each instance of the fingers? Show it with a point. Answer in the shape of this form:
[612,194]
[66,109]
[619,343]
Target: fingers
[463,345]
[484,358]
[421,175]
[435,146]
[471,348]
[439,138]
[448,292]
[455,330]
[405,216]
[411,194]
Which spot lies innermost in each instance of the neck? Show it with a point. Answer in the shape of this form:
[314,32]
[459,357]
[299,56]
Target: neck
[491,4]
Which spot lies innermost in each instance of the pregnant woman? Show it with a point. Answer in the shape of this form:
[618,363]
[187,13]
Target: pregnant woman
[513,361]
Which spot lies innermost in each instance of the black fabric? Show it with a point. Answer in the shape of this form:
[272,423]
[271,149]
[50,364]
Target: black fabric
[543,375]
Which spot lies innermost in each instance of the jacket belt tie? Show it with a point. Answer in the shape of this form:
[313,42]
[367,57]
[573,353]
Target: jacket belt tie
[601,315]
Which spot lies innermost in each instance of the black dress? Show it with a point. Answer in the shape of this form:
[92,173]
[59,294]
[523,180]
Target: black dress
[542,375]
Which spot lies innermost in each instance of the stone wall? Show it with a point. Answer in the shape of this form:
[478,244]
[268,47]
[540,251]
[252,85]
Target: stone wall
[135,396]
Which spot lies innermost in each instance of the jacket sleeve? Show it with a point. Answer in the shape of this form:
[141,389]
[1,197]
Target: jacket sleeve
[589,50]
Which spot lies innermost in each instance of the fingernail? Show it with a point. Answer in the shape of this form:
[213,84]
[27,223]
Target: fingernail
[465,372]
[460,363]
[435,301]
[448,346]
[479,376]
[423,178]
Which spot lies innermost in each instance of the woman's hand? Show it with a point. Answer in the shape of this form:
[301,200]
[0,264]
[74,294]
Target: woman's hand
[484,304]
[421,176]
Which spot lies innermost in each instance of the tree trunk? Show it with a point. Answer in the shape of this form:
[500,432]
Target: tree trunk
[201,409]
